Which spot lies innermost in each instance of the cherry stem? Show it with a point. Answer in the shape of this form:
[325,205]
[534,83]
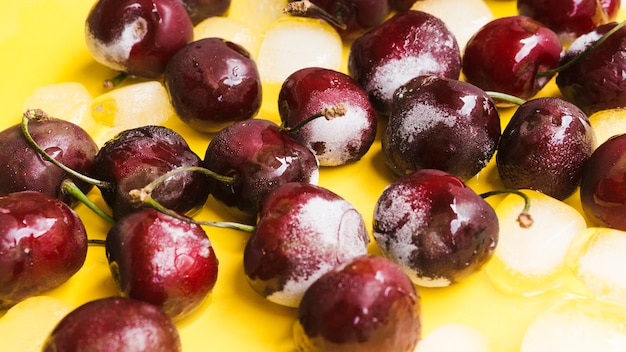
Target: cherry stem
[524,219]
[327,113]
[305,8]
[584,54]
[96,242]
[40,115]
[69,187]
[115,81]
[506,97]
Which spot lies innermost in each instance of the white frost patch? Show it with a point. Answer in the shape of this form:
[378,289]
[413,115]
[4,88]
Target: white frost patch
[173,258]
[421,117]
[330,232]
[116,53]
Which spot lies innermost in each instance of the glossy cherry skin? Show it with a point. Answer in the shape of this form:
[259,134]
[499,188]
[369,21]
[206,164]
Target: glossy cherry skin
[367,304]
[544,147]
[138,156]
[441,123]
[114,324]
[603,184]
[569,19]
[595,82]
[506,55]
[261,157]
[303,231]
[199,10]
[162,260]
[435,227]
[213,83]
[137,36]
[409,44]
[24,169]
[43,243]
[336,141]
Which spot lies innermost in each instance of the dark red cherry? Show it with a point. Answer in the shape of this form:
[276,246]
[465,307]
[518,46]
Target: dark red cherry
[603,184]
[137,36]
[260,156]
[162,260]
[25,169]
[507,54]
[114,324]
[544,147]
[409,44]
[335,141]
[441,123]
[367,304]
[567,18]
[138,156]
[595,82]
[213,83]
[435,227]
[43,243]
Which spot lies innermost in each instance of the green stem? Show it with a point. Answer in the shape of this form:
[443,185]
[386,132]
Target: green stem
[115,81]
[96,242]
[506,97]
[39,115]
[524,218]
[69,187]
[584,54]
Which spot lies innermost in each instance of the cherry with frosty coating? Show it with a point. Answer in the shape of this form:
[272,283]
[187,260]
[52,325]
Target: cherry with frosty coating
[506,55]
[261,157]
[603,184]
[569,19]
[137,36]
[162,260]
[435,227]
[335,141]
[409,44]
[544,147]
[212,83]
[441,123]
[138,156]
[367,304]
[114,324]
[303,231]
[595,82]
[43,243]
[24,169]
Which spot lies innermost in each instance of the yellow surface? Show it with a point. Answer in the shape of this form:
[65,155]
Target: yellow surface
[41,43]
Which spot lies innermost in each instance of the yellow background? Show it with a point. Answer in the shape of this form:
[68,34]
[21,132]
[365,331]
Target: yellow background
[41,43]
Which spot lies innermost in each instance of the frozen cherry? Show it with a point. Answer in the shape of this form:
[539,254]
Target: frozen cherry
[569,19]
[507,54]
[303,231]
[42,244]
[260,156]
[337,141]
[24,168]
[199,10]
[409,44]
[367,304]
[595,81]
[137,36]
[441,123]
[544,147]
[603,184]
[114,324]
[435,227]
[162,260]
[136,157]
[213,82]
